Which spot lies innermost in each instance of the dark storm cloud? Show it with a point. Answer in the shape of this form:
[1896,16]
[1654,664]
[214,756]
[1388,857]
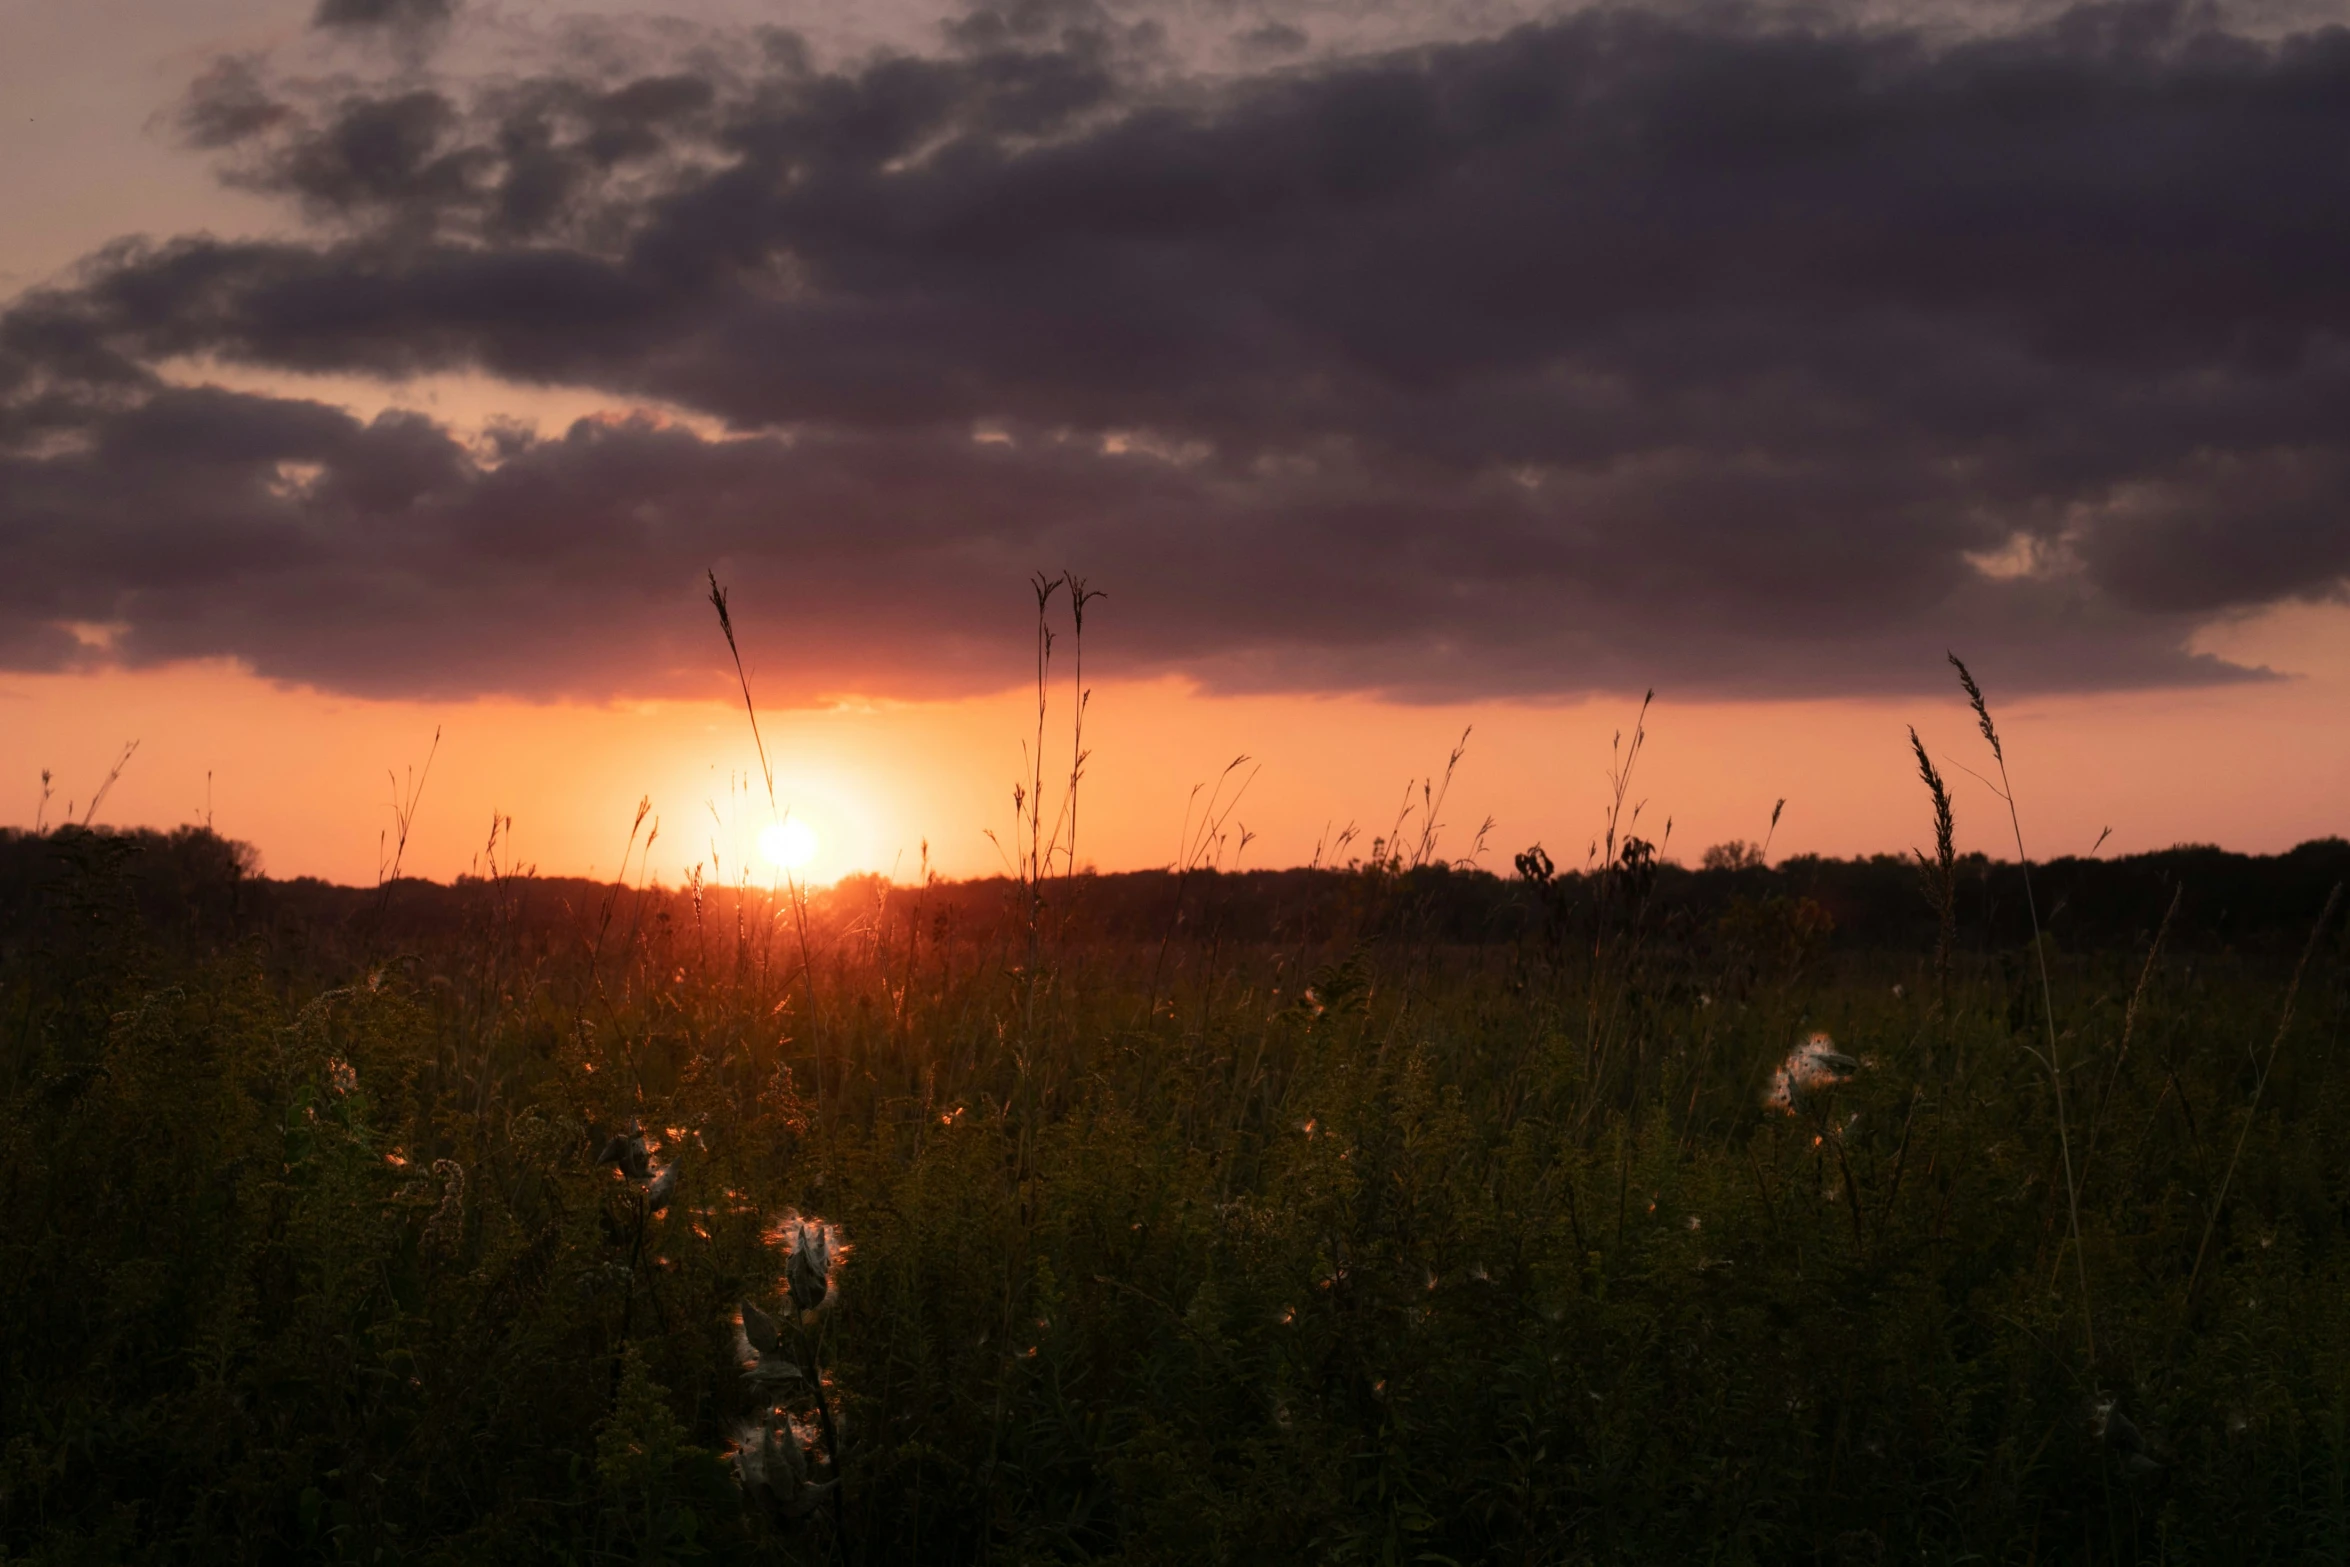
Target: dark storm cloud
[383,13]
[1721,352]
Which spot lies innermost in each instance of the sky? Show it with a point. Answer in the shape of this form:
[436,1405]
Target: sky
[372,369]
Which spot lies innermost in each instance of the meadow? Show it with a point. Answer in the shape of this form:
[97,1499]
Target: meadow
[1390,1210]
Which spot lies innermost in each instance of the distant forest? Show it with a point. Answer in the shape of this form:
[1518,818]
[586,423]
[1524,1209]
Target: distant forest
[195,883]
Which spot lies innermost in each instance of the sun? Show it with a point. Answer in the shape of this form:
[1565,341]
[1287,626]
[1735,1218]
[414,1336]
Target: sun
[788,844]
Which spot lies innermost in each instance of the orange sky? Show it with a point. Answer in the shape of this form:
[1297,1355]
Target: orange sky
[94,153]
[304,775]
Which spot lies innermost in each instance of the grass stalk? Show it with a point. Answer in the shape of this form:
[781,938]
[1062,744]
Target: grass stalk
[2006,793]
[2260,1086]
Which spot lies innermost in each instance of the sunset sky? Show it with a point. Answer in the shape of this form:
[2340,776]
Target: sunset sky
[372,368]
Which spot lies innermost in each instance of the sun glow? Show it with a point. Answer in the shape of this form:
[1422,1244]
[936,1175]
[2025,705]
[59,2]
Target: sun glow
[788,844]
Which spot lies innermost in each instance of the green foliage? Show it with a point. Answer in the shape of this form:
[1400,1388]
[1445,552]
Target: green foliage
[1363,1244]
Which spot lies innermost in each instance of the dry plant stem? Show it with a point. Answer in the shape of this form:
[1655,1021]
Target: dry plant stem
[812,1345]
[403,818]
[2129,1027]
[1900,1163]
[1860,1245]
[726,626]
[1432,802]
[718,602]
[797,894]
[644,808]
[1191,852]
[2260,1085]
[1597,1013]
[1940,873]
[114,773]
[1079,596]
[1028,806]
[2047,999]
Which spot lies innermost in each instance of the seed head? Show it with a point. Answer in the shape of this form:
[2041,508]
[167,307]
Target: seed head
[812,1255]
[750,1456]
[627,1150]
[772,1466]
[1811,1069]
[663,1187]
[1974,696]
[758,1350]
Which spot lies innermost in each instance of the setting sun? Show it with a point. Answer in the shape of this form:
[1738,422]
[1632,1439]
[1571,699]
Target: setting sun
[789,844]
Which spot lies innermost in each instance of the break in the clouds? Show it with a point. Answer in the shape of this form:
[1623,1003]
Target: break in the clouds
[1725,351]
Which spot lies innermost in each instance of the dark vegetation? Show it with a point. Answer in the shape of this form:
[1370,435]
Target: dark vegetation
[1387,1213]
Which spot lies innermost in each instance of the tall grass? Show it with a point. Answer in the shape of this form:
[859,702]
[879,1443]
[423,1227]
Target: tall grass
[2049,1059]
[1388,1213]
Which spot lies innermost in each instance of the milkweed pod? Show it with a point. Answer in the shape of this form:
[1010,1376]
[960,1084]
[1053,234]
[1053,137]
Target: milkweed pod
[768,1375]
[808,1266]
[627,1150]
[787,1456]
[1811,1068]
[664,1185]
[750,1456]
[765,1336]
[804,1502]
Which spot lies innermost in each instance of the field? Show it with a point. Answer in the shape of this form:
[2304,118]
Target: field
[1391,1212]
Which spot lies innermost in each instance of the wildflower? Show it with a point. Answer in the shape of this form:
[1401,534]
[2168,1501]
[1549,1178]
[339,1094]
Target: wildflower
[341,1077]
[1811,1069]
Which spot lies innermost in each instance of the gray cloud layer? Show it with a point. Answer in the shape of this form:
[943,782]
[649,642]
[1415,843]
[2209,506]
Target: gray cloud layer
[1718,352]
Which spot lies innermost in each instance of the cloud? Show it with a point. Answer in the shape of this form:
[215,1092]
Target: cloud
[1721,352]
[397,14]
